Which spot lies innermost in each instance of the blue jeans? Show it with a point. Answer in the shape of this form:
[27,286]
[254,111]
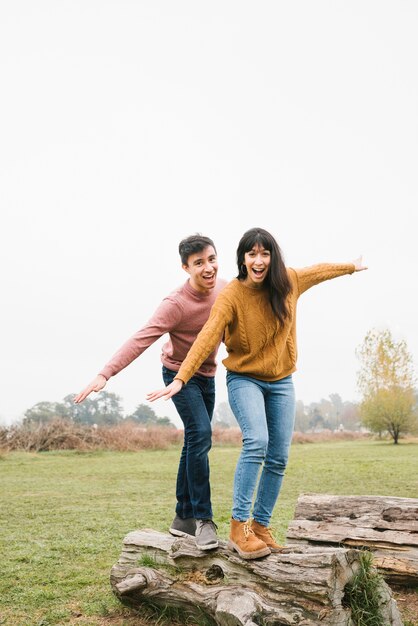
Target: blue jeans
[265,412]
[195,404]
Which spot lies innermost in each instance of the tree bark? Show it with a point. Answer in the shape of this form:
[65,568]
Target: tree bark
[303,585]
[387,526]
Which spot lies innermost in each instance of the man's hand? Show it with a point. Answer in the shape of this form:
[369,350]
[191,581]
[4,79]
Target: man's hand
[97,384]
[167,392]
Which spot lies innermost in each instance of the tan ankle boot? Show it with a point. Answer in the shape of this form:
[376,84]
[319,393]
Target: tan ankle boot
[266,535]
[243,540]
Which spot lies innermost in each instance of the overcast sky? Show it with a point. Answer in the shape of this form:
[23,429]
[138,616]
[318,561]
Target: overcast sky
[127,125]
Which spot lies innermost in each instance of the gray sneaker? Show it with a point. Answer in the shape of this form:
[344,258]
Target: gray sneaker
[206,538]
[183,527]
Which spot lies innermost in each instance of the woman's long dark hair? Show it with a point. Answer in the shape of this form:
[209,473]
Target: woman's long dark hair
[277,280]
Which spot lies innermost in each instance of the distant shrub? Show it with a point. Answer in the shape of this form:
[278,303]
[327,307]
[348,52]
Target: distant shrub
[66,435]
[55,435]
[226,436]
[128,437]
[328,436]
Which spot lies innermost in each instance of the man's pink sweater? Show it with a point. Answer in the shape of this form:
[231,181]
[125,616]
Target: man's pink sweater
[182,314]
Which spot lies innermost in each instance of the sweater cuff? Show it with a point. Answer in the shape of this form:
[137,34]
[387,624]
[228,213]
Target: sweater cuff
[105,373]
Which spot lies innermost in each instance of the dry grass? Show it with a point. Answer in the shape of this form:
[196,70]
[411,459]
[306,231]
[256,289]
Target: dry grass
[56,435]
[127,437]
[65,435]
[326,436]
[226,436]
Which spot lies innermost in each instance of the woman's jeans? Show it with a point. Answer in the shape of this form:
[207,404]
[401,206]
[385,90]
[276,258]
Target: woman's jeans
[195,404]
[265,412]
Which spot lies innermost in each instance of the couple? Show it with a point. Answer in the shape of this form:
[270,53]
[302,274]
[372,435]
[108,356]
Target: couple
[255,315]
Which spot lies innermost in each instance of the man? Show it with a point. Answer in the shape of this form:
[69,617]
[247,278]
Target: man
[182,314]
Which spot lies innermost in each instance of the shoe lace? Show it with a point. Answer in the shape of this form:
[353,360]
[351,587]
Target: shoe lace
[210,522]
[271,532]
[247,530]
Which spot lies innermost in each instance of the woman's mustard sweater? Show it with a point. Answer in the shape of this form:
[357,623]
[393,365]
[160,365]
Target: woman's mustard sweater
[255,342]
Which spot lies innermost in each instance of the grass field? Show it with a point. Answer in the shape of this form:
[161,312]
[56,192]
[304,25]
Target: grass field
[63,515]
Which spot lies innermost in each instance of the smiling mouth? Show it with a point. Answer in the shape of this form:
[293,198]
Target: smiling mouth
[258,273]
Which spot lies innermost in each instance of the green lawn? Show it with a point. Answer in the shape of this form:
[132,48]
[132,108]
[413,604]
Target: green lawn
[63,515]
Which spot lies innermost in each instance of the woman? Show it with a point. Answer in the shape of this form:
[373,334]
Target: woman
[256,314]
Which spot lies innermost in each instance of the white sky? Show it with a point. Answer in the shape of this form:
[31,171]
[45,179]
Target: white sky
[127,125]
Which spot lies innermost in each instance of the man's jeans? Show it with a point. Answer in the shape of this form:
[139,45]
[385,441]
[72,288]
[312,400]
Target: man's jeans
[195,404]
[265,412]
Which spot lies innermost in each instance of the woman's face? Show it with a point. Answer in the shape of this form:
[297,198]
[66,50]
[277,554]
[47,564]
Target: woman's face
[257,262]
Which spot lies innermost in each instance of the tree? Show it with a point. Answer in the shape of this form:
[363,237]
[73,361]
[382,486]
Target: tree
[301,417]
[317,421]
[328,413]
[223,416]
[109,408]
[165,421]
[350,416]
[44,412]
[104,409]
[386,380]
[145,415]
[84,413]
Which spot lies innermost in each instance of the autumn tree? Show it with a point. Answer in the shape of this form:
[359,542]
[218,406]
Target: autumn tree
[386,380]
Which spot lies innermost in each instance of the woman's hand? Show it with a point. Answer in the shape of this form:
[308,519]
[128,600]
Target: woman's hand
[97,384]
[358,264]
[167,392]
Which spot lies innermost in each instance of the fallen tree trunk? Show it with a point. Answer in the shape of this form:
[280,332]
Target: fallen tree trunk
[304,585]
[387,526]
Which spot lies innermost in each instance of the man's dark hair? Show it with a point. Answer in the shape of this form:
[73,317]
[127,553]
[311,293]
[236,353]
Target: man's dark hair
[191,245]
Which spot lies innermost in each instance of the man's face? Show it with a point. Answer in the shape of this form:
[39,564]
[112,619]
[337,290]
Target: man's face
[203,268]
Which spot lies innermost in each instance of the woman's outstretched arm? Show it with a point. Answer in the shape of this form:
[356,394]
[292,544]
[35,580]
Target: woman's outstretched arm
[206,341]
[358,264]
[166,393]
[307,277]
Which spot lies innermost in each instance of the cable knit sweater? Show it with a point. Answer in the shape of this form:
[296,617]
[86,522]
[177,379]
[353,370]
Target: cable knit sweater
[255,343]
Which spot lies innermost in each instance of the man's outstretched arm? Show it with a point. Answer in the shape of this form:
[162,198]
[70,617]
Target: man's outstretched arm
[97,384]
